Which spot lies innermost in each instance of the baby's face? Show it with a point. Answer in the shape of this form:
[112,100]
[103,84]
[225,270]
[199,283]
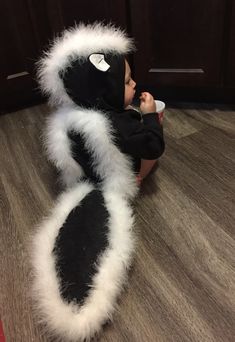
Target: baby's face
[129,86]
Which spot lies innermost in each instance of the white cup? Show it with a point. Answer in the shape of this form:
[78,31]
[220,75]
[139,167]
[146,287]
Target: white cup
[160,107]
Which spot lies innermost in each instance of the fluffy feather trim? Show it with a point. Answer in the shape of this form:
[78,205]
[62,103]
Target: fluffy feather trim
[78,43]
[111,165]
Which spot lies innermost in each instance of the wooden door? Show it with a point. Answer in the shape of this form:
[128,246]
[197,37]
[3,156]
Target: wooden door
[65,13]
[230,61]
[23,33]
[180,43]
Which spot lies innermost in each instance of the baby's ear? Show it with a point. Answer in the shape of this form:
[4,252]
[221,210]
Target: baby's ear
[97,59]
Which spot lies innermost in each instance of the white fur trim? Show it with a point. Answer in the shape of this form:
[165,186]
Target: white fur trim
[58,150]
[68,321]
[112,165]
[79,43]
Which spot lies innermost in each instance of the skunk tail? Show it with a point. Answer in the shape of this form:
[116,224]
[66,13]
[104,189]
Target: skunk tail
[80,257]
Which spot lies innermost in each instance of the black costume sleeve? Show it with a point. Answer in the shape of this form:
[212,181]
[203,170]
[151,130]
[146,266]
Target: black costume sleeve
[140,138]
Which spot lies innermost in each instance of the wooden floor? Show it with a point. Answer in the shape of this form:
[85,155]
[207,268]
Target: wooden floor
[182,283]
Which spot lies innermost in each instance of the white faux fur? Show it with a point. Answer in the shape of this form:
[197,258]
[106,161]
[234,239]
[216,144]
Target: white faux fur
[112,165]
[79,43]
[58,148]
[68,321]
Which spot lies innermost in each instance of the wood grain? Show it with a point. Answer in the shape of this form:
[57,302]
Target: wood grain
[182,283]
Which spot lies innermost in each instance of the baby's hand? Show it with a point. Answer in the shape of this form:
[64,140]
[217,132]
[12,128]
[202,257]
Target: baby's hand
[147,103]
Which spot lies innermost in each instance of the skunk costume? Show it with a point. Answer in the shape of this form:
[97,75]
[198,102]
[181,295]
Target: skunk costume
[82,251]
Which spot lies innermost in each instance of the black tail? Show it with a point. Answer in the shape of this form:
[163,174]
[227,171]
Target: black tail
[81,240]
[80,256]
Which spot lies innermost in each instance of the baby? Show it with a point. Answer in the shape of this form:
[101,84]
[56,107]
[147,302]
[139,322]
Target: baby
[100,144]
[139,135]
[147,105]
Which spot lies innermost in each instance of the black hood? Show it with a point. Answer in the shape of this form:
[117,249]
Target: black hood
[91,88]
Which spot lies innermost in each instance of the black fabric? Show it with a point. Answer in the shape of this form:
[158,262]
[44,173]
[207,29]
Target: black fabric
[139,137]
[134,136]
[78,246]
[90,87]
[83,157]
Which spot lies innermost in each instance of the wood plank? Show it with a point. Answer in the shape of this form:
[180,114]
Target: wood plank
[181,285]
